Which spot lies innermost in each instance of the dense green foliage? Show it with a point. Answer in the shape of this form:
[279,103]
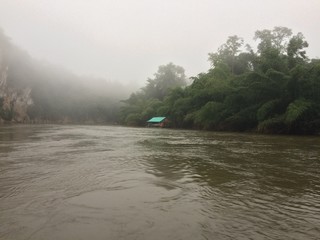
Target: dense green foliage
[275,89]
[149,101]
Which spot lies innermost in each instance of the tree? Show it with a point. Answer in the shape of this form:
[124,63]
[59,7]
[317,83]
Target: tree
[167,77]
[277,38]
[227,53]
[295,50]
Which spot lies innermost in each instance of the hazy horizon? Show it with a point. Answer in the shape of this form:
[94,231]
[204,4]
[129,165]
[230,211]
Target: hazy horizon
[125,41]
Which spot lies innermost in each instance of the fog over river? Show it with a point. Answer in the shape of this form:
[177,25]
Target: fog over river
[107,182]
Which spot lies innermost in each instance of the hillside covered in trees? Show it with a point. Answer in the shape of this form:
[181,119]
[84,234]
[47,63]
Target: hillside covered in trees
[272,89]
[33,91]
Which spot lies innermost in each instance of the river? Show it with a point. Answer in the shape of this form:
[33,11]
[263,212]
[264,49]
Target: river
[109,182]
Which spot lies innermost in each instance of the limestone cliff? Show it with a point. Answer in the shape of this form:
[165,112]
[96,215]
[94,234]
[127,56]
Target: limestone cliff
[33,91]
[13,102]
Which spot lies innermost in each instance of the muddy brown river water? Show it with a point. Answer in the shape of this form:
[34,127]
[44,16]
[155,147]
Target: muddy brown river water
[106,182]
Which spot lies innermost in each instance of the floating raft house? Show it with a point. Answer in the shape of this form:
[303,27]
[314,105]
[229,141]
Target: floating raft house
[157,122]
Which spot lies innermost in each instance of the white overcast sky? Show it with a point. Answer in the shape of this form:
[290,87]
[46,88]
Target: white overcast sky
[126,40]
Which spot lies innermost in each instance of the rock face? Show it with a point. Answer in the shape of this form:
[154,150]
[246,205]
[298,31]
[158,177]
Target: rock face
[14,103]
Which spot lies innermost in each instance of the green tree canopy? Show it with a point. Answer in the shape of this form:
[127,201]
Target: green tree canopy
[167,77]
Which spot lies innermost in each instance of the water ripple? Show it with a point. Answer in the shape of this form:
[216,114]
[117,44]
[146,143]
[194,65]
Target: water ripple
[98,182]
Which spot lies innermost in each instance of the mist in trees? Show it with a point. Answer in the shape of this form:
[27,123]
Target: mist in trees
[148,102]
[57,95]
[273,89]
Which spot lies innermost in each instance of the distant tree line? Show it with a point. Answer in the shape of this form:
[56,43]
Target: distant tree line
[273,89]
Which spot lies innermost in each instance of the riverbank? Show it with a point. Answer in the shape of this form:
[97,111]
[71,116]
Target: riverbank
[101,123]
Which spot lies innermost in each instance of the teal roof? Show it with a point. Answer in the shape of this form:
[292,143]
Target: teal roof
[156,119]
